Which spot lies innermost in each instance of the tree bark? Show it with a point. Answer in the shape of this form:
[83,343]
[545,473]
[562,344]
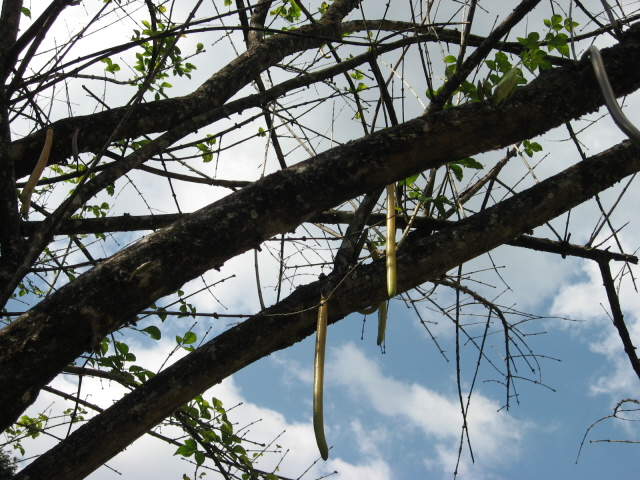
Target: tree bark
[39,344]
[158,116]
[424,256]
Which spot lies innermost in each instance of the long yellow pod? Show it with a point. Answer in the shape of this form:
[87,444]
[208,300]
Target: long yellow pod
[25,195]
[391,240]
[382,322]
[318,379]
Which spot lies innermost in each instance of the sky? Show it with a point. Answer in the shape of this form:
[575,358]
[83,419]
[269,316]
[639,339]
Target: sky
[394,413]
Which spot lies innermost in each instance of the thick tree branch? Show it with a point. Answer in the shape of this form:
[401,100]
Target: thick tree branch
[129,223]
[58,329]
[163,114]
[423,257]
[11,245]
[9,26]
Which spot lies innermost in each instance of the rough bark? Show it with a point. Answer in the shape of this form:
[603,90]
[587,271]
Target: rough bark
[423,257]
[160,115]
[40,343]
[11,246]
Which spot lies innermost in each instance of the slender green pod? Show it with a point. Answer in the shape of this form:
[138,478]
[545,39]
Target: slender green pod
[382,322]
[391,240]
[318,379]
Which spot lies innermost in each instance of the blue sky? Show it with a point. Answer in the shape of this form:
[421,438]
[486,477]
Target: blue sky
[397,415]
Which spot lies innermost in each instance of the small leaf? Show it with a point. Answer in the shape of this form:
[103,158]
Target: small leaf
[154,332]
[184,451]
[123,348]
[470,163]
[26,12]
[239,450]
[457,171]
[189,338]
[409,180]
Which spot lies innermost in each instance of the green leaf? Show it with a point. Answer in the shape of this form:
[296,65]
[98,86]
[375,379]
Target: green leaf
[531,42]
[439,203]
[239,450]
[123,348]
[153,331]
[199,456]
[184,450]
[26,12]
[450,59]
[189,338]
[470,163]
[409,180]
[531,147]
[569,25]
[457,171]
[111,67]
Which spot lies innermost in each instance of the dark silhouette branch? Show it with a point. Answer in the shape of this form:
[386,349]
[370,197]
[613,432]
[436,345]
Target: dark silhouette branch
[618,317]
[423,257]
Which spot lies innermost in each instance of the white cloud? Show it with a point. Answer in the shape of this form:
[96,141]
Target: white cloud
[585,300]
[376,470]
[149,457]
[495,435]
[581,300]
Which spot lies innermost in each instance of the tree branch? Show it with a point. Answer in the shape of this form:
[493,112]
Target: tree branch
[618,318]
[423,257]
[279,203]
[160,115]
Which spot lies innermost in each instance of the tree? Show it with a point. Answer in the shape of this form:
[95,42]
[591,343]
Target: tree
[334,51]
